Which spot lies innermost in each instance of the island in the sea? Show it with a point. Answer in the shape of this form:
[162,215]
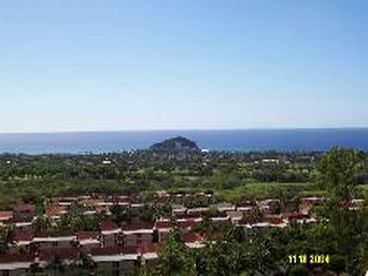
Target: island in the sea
[176,145]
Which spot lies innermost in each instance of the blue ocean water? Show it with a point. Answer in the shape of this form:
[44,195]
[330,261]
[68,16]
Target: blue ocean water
[228,140]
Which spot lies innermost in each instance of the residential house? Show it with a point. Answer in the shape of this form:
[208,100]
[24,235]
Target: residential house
[193,240]
[137,233]
[6,217]
[23,240]
[15,264]
[55,239]
[223,207]
[88,239]
[163,228]
[148,252]
[110,233]
[307,203]
[269,206]
[247,206]
[65,256]
[117,260]
[24,212]
[55,212]
[186,224]
[235,216]
[178,209]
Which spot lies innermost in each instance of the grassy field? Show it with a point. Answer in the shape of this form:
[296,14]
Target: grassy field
[264,190]
[261,190]
[37,190]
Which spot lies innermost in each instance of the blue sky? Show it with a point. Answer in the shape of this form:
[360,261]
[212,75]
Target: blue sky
[127,65]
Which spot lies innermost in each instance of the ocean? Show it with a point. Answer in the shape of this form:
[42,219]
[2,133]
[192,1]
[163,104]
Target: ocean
[286,140]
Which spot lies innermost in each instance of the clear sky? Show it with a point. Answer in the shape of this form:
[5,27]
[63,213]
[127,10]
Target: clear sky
[185,64]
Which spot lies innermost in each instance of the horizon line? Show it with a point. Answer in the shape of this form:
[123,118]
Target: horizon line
[178,129]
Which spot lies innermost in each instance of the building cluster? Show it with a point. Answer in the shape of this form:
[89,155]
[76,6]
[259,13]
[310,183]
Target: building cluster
[125,246]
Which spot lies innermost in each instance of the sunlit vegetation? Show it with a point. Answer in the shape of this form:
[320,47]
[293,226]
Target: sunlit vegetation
[339,175]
